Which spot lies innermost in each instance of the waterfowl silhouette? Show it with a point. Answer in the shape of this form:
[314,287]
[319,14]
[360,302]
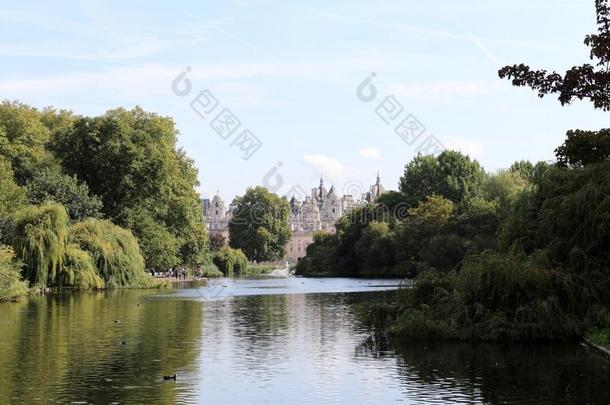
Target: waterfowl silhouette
[169,377]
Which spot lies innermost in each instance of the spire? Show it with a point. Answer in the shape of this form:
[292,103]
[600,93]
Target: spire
[378,179]
[321,180]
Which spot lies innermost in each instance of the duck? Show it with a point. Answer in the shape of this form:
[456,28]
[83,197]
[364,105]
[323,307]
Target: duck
[169,377]
[123,342]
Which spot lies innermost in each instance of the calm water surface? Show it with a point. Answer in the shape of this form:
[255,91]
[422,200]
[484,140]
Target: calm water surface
[264,341]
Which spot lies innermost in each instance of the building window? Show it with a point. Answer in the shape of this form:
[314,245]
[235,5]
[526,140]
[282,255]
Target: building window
[216,212]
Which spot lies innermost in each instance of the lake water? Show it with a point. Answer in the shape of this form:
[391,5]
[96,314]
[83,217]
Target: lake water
[264,341]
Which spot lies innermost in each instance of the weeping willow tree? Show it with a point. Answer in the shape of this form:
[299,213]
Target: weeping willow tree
[39,240]
[11,285]
[114,250]
[79,270]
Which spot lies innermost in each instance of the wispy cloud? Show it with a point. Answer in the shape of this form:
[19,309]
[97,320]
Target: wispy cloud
[329,166]
[370,153]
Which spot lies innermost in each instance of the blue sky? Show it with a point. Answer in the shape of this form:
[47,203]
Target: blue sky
[289,72]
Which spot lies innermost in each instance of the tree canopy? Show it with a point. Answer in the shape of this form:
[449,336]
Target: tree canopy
[451,175]
[259,225]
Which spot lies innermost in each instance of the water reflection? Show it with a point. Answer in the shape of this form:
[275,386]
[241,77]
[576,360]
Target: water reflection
[108,347]
[294,347]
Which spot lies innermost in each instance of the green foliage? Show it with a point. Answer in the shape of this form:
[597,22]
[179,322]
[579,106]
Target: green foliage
[79,269]
[211,271]
[230,261]
[584,147]
[504,186]
[11,285]
[217,240]
[39,239]
[194,249]
[159,246]
[578,82]
[12,196]
[23,139]
[451,175]
[435,211]
[259,225]
[523,168]
[395,203]
[130,160]
[321,258]
[65,190]
[510,298]
[421,178]
[255,269]
[114,250]
[375,250]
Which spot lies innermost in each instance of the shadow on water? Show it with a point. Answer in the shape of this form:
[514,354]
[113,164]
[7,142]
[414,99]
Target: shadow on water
[438,372]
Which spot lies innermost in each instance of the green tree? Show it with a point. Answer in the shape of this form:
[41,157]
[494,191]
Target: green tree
[584,147]
[114,250]
[451,175]
[40,236]
[130,160]
[421,178]
[259,226]
[65,190]
[579,82]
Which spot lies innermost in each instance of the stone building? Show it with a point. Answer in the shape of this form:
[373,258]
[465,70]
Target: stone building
[319,211]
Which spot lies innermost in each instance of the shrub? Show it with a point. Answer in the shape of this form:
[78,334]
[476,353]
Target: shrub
[230,261]
[11,285]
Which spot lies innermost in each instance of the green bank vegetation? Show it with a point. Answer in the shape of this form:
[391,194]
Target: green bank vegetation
[517,255]
[94,202]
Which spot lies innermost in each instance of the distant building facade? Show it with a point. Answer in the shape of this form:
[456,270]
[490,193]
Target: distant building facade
[319,211]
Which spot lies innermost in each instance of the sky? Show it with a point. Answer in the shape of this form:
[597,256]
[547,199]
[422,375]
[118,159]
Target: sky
[292,74]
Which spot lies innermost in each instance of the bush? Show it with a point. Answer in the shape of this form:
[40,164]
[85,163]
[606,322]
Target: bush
[230,261]
[11,285]
[211,271]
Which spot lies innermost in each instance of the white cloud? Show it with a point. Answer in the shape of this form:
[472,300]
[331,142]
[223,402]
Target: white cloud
[442,89]
[472,148]
[370,153]
[329,166]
